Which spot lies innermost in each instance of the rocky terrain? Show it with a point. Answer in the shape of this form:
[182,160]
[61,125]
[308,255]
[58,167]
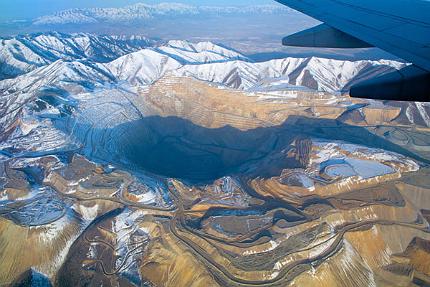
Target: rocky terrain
[188,164]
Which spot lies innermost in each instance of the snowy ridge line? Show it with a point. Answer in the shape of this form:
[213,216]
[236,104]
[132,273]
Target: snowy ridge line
[204,61]
[213,63]
[22,54]
[142,11]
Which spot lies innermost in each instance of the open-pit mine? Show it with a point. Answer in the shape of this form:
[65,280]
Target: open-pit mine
[189,182]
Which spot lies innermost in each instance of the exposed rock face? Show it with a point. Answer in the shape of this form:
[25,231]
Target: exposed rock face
[301,152]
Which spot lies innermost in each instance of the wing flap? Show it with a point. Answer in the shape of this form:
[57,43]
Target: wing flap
[324,36]
[408,84]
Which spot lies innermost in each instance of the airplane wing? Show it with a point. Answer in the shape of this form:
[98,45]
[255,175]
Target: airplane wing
[400,27]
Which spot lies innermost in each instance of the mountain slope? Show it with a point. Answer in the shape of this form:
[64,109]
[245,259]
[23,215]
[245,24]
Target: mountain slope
[209,62]
[60,71]
[22,54]
[61,77]
[148,65]
[142,67]
[205,61]
[197,53]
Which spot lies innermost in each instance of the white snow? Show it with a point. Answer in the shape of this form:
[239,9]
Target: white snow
[147,197]
[26,53]
[52,231]
[273,244]
[27,126]
[423,113]
[143,11]
[3,195]
[347,160]
[319,249]
[92,251]
[88,213]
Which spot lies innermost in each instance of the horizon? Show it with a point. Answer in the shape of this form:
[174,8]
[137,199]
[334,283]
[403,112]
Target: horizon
[259,31]
[18,10]
[259,34]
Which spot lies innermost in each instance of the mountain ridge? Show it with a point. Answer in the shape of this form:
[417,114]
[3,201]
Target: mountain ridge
[24,53]
[140,62]
[142,11]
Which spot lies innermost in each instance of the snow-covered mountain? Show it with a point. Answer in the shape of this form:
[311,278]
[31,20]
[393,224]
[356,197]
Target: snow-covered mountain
[58,57]
[315,73]
[148,65]
[197,53]
[85,73]
[59,78]
[22,54]
[209,62]
[141,11]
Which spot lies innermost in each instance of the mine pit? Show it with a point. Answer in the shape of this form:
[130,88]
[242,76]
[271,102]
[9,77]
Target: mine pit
[174,147]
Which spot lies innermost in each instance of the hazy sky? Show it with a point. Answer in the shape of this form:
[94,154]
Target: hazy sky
[24,9]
